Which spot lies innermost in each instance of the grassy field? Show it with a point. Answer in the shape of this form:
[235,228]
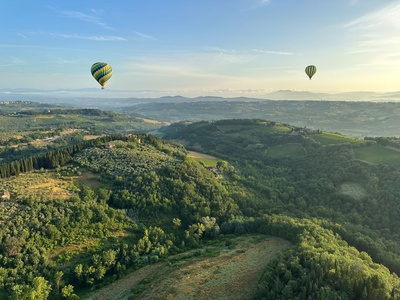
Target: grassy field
[285,150]
[330,138]
[207,160]
[48,185]
[91,180]
[378,154]
[229,269]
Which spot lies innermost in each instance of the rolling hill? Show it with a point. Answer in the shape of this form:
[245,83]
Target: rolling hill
[82,215]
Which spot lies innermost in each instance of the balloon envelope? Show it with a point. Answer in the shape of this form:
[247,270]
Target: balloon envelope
[311,70]
[102,72]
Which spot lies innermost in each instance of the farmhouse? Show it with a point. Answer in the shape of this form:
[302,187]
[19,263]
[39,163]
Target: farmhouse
[213,169]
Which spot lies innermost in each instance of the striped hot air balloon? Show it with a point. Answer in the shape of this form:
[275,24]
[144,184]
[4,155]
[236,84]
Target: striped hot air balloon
[102,72]
[311,70]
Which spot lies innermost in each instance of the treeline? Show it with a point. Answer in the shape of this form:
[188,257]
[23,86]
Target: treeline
[385,141]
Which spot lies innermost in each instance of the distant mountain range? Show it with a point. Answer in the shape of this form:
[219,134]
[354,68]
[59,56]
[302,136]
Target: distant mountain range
[348,96]
[357,114]
[63,95]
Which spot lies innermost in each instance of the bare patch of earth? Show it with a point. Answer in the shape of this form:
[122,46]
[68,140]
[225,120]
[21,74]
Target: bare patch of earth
[229,270]
[90,179]
[151,121]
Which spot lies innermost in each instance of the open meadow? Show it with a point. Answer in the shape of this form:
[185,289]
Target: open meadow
[378,154]
[207,160]
[330,138]
[228,269]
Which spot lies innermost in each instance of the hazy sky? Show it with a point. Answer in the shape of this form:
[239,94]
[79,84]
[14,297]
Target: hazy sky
[202,47]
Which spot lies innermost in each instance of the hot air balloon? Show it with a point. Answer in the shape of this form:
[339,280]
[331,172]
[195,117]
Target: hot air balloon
[102,72]
[311,70]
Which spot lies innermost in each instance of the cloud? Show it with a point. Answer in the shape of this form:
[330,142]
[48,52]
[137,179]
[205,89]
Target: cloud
[272,52]
[23,36]
[377,34]
[220,50]
[222,55]
[99,38]
[385,18]
[144,36]
[86,18]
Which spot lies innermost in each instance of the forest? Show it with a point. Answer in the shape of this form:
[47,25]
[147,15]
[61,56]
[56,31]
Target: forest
[76,217]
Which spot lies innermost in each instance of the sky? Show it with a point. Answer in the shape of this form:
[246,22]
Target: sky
[202,47]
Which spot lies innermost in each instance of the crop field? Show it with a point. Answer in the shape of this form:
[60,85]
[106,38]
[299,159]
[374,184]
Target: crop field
[378,154]
[329,138]
[229,269]
[285,150]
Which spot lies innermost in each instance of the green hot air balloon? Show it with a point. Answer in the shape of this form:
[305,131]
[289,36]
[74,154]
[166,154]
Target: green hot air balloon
[102,72]
[311,70]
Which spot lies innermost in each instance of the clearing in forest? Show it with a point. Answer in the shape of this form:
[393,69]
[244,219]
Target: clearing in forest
[207,160]
[353,189]
[90,179]
[229,269]
[43,185]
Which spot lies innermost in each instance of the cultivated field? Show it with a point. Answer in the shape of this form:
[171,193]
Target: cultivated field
[227,270]
[379,155]
[329,138]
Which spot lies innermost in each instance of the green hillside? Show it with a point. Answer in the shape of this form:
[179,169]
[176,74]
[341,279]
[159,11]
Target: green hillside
[328,184]
[28,128]
[379,154]
[76,217]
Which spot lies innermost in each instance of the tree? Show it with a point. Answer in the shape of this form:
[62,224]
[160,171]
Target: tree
[109,258]
[222,165]
[67,291]
[212,229]
[39,290]
[57,280]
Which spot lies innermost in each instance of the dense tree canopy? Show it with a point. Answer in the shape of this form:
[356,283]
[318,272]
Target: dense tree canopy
[151,201]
